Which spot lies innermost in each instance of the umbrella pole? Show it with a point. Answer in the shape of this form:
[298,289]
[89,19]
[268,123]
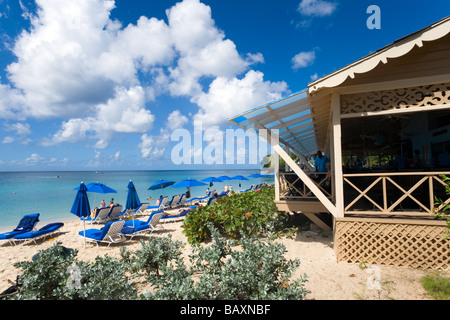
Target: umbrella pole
[84,231]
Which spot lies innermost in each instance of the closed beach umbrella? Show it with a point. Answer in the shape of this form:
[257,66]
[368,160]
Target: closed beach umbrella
[81,207]
[133,201]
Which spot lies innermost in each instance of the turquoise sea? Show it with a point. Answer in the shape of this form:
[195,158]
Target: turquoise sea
[52,193]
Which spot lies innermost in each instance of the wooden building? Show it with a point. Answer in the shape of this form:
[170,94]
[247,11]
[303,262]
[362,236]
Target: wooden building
[384,123]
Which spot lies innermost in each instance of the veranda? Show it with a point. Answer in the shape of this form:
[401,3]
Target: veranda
[384,122]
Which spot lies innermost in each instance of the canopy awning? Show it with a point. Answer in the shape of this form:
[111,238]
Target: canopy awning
[299,126]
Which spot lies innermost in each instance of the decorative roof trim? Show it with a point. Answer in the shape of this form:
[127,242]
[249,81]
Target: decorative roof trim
[397,49]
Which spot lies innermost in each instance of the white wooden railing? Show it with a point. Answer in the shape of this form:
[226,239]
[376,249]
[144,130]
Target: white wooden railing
[292,187]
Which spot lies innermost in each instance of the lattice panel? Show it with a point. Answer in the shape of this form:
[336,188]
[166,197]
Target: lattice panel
[423,96]
[398,244]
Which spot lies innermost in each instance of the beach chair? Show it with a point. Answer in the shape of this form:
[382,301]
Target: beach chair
[175,201]
[109,234]
[115,213]
[182,201]
[162,205]
[133,228]
[141,210]
[101,217]
[177,217]
[26,224]
[43,232]
[211,201]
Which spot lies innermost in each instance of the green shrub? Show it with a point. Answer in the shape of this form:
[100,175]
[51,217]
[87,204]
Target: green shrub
[258,271]
[55,275]
[248,213]
[153,256]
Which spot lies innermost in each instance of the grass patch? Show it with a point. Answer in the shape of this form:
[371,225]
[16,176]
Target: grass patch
[437,285]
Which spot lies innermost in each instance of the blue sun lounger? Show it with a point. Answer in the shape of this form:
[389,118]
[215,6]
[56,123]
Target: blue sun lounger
[26,224]
[43,232]
[133,228]
[108,234]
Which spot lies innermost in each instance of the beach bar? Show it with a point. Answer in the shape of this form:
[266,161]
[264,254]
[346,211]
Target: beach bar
[384,123]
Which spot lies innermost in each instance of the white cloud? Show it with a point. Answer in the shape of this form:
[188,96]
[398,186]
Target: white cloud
[303,59]
[314,77]
[19,128]
[176,120]
[125,113]
[8,139]
[77,64]
[229,97]
[151,147]
[316,8]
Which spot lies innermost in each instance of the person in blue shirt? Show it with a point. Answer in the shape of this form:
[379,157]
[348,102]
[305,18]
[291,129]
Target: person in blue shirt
[321,162]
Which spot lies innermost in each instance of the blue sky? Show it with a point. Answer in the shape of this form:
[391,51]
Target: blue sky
[103,85]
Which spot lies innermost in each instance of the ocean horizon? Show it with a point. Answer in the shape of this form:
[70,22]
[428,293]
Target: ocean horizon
[51,193]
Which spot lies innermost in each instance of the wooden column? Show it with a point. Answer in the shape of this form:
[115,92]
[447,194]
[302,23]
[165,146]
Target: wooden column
[337,154]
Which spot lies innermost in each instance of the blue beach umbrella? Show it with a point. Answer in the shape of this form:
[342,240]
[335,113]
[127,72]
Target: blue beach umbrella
[161,184]
[81,207]
[189,183]
[224,178]
[255,175]
[211,180]
[133,201]
[98,187]
[239,178]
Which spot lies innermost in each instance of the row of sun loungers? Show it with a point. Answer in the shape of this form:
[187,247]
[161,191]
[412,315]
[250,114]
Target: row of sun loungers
[117,228]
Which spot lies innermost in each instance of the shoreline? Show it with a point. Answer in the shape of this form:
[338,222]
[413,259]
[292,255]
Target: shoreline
[327,279]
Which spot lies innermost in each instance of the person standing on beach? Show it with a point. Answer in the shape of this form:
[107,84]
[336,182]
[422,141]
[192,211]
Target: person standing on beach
[188,193]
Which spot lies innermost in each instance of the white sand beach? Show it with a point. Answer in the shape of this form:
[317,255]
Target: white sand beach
[327,279]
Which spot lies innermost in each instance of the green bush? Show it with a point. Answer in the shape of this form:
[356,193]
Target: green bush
[56,275]
[248,213]
[154,255]
[258,271]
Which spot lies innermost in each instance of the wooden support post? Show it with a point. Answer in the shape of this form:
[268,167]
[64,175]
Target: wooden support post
[306,180]
[337,154]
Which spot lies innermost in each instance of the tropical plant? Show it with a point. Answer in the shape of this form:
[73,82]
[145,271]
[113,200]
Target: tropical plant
[56,274]
[247,213]
[258,270]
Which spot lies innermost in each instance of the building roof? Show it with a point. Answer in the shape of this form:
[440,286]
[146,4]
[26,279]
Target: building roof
[303,118]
